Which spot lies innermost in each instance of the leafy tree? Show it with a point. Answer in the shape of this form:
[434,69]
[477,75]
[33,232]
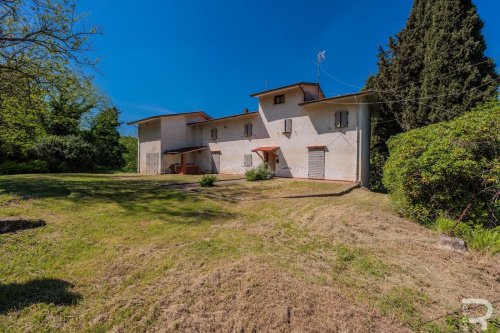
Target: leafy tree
[69,99]
[130,154]
[38,35]
[105,138]
[21,123]
[433,70]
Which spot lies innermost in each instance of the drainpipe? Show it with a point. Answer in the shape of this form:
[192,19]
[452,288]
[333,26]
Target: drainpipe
[364,143]
[357,139]
[138,168]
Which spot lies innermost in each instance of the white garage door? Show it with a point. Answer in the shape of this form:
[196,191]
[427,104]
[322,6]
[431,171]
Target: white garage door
[152,163]
[317,163]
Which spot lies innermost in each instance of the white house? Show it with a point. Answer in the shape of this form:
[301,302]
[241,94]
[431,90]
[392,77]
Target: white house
[296,130]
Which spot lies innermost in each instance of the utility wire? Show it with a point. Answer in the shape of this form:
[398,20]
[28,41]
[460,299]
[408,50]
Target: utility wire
[406,85]
[411,100]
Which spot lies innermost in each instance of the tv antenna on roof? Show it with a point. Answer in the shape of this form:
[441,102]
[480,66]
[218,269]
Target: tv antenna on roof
[321,57]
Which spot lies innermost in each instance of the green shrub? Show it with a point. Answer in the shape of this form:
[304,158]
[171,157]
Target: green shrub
[448,169]
[262,172]
[12,167]
[65,153]
[207,180]
[476,237]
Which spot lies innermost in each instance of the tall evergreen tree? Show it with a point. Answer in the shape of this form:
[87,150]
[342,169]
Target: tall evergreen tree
[434,70]
[456,69]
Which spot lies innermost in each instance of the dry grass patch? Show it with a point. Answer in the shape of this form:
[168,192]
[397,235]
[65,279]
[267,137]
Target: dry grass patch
[121,253]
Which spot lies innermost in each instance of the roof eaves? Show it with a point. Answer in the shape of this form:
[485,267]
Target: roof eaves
[223,118]
[298,84]
[169,115]
[362,93]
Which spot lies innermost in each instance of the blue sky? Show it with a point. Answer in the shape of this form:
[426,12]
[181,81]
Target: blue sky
[162,56]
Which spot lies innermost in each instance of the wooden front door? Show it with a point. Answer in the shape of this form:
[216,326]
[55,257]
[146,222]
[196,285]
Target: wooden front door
[270,159]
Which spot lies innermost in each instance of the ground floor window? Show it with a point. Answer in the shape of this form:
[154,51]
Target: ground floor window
[248,160]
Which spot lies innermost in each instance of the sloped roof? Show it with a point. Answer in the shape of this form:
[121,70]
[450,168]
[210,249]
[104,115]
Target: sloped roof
[285,87]
[184,150]
[265,149]
[224,118]
[326,100]
[201,113]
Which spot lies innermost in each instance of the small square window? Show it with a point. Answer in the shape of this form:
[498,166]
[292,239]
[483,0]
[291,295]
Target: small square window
[341,119]
[279,99]
[248,130]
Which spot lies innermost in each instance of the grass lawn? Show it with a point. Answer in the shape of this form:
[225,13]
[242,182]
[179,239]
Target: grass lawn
[132,253]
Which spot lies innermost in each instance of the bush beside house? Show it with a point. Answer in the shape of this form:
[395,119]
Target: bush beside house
[450,169]
[262,172]
[207,180]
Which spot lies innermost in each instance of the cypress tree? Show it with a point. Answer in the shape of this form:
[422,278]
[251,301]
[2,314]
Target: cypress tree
[456,69]
[433,70]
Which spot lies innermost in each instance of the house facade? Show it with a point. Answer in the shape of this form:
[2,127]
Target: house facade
[297,131]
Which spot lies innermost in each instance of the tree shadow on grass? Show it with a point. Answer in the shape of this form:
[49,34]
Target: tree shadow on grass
[134,196]
[16,296]
[34,188]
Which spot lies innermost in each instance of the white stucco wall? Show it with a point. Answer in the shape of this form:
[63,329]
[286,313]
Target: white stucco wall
[149,134]
[231,142]
[312,125]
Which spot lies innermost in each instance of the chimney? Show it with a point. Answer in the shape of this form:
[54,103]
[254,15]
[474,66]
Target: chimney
[245,110]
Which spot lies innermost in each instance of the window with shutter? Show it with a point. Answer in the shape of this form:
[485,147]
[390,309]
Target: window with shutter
[248,160]
[344,119]
[248,130]
[287,126]
[341,119]
[214,133]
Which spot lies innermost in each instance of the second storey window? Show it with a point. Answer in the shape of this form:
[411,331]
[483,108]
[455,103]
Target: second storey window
[341,119]
[248,130]
[214,134]
[279,99]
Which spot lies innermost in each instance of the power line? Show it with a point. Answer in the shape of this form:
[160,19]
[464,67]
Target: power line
[406,85]
[416,100]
